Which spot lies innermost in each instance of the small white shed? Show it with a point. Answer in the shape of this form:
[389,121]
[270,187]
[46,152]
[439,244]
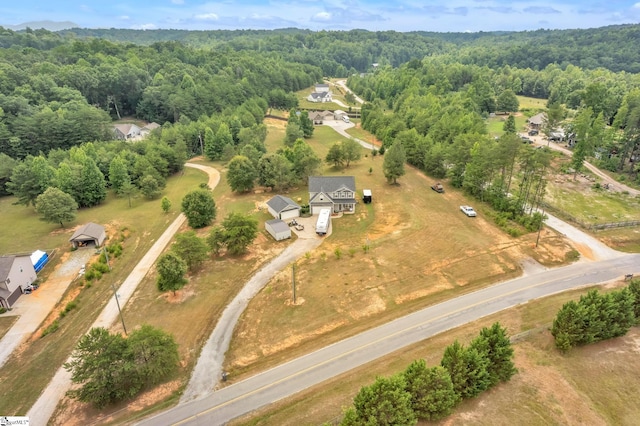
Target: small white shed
[278,229]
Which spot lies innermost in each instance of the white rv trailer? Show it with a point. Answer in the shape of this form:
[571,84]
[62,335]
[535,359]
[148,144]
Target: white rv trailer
[324,222]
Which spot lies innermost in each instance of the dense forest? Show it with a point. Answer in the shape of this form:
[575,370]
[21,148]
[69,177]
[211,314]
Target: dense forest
[210,91]
[337,52]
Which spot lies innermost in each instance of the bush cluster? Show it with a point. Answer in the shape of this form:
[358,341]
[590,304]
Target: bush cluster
[597,317]
[422,393]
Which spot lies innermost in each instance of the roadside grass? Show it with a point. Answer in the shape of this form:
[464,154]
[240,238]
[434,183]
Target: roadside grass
[623,239]
[360,133]
[593,206]
[422,250]
[6,322]
[29,370]
[550,388]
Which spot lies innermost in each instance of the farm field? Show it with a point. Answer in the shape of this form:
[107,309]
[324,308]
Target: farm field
[549,388]
[421,250]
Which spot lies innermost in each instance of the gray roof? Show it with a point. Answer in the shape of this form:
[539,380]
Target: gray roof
[151,126]
[91,229]
[331,183]
[5,266]
[281,203]
[319,95]
[537,119]
[277,225]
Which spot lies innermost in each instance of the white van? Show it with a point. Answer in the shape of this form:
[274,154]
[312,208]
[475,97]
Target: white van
[345,118]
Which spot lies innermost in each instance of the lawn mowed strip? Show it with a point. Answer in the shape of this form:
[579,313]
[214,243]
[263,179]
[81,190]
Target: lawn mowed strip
[28,371]
[550,388]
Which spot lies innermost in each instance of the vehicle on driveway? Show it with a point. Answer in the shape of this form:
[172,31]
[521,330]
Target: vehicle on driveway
[468,210]
[438,187]
[533,132]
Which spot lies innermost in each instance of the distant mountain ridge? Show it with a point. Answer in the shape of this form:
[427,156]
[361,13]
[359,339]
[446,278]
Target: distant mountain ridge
[47,25]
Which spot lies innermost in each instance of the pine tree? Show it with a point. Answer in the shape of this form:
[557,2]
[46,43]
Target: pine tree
[431,390]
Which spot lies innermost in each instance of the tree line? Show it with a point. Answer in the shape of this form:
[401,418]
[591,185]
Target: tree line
[57,92]
[431,393]
[341,53]
[597,316]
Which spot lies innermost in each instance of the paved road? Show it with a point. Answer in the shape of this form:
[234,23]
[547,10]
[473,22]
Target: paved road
[44,407]
[341,127]
[343,84]
[306,371]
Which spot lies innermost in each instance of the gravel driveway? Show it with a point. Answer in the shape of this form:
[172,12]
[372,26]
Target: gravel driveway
[44,407]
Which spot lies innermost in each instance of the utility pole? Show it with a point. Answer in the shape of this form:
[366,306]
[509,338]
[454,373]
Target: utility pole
[293,281]
[115,294]
[540,228]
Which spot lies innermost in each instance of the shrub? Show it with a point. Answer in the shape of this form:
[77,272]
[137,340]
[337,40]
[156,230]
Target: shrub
[3,310]
[55,325]
[338,252]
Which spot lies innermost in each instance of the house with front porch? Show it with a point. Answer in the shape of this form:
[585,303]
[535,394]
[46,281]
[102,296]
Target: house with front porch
[335,192]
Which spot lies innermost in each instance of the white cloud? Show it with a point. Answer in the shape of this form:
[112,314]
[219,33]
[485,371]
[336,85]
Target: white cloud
[145,27]
[206,17]
[321,16]
[124,18]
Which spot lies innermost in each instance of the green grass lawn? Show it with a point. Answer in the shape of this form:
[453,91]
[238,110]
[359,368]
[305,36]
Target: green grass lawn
[25,377]
[527,102]
[495,124]
[595,206]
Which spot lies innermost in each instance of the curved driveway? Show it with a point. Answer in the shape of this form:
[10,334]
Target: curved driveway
[44,407]
[316,367]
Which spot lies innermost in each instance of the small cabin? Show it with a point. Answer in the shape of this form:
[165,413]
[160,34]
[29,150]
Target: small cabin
[366,196]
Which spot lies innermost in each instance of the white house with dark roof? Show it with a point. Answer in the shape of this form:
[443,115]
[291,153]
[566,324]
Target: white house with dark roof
[282,207]
[16,273]
[335,192]
[320,97]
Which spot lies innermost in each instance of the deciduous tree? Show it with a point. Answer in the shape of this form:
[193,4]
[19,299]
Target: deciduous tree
[56,206]
[242,174]
[171,269]
[239,232]
[199,208]
[191,248]
[393,166]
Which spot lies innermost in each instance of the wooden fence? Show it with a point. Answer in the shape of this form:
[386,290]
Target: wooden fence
[589,226]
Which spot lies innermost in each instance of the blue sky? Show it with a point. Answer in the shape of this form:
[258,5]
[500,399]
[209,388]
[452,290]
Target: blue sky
[374,15]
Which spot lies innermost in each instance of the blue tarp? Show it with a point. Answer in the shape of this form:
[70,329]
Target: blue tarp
[39,259]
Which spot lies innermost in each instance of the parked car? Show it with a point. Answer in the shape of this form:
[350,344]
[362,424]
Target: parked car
[525,139]
[468,210]
[533,132]
[438,187]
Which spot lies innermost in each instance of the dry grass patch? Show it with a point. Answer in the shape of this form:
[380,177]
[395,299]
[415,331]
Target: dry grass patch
[592,385]
[422,251]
